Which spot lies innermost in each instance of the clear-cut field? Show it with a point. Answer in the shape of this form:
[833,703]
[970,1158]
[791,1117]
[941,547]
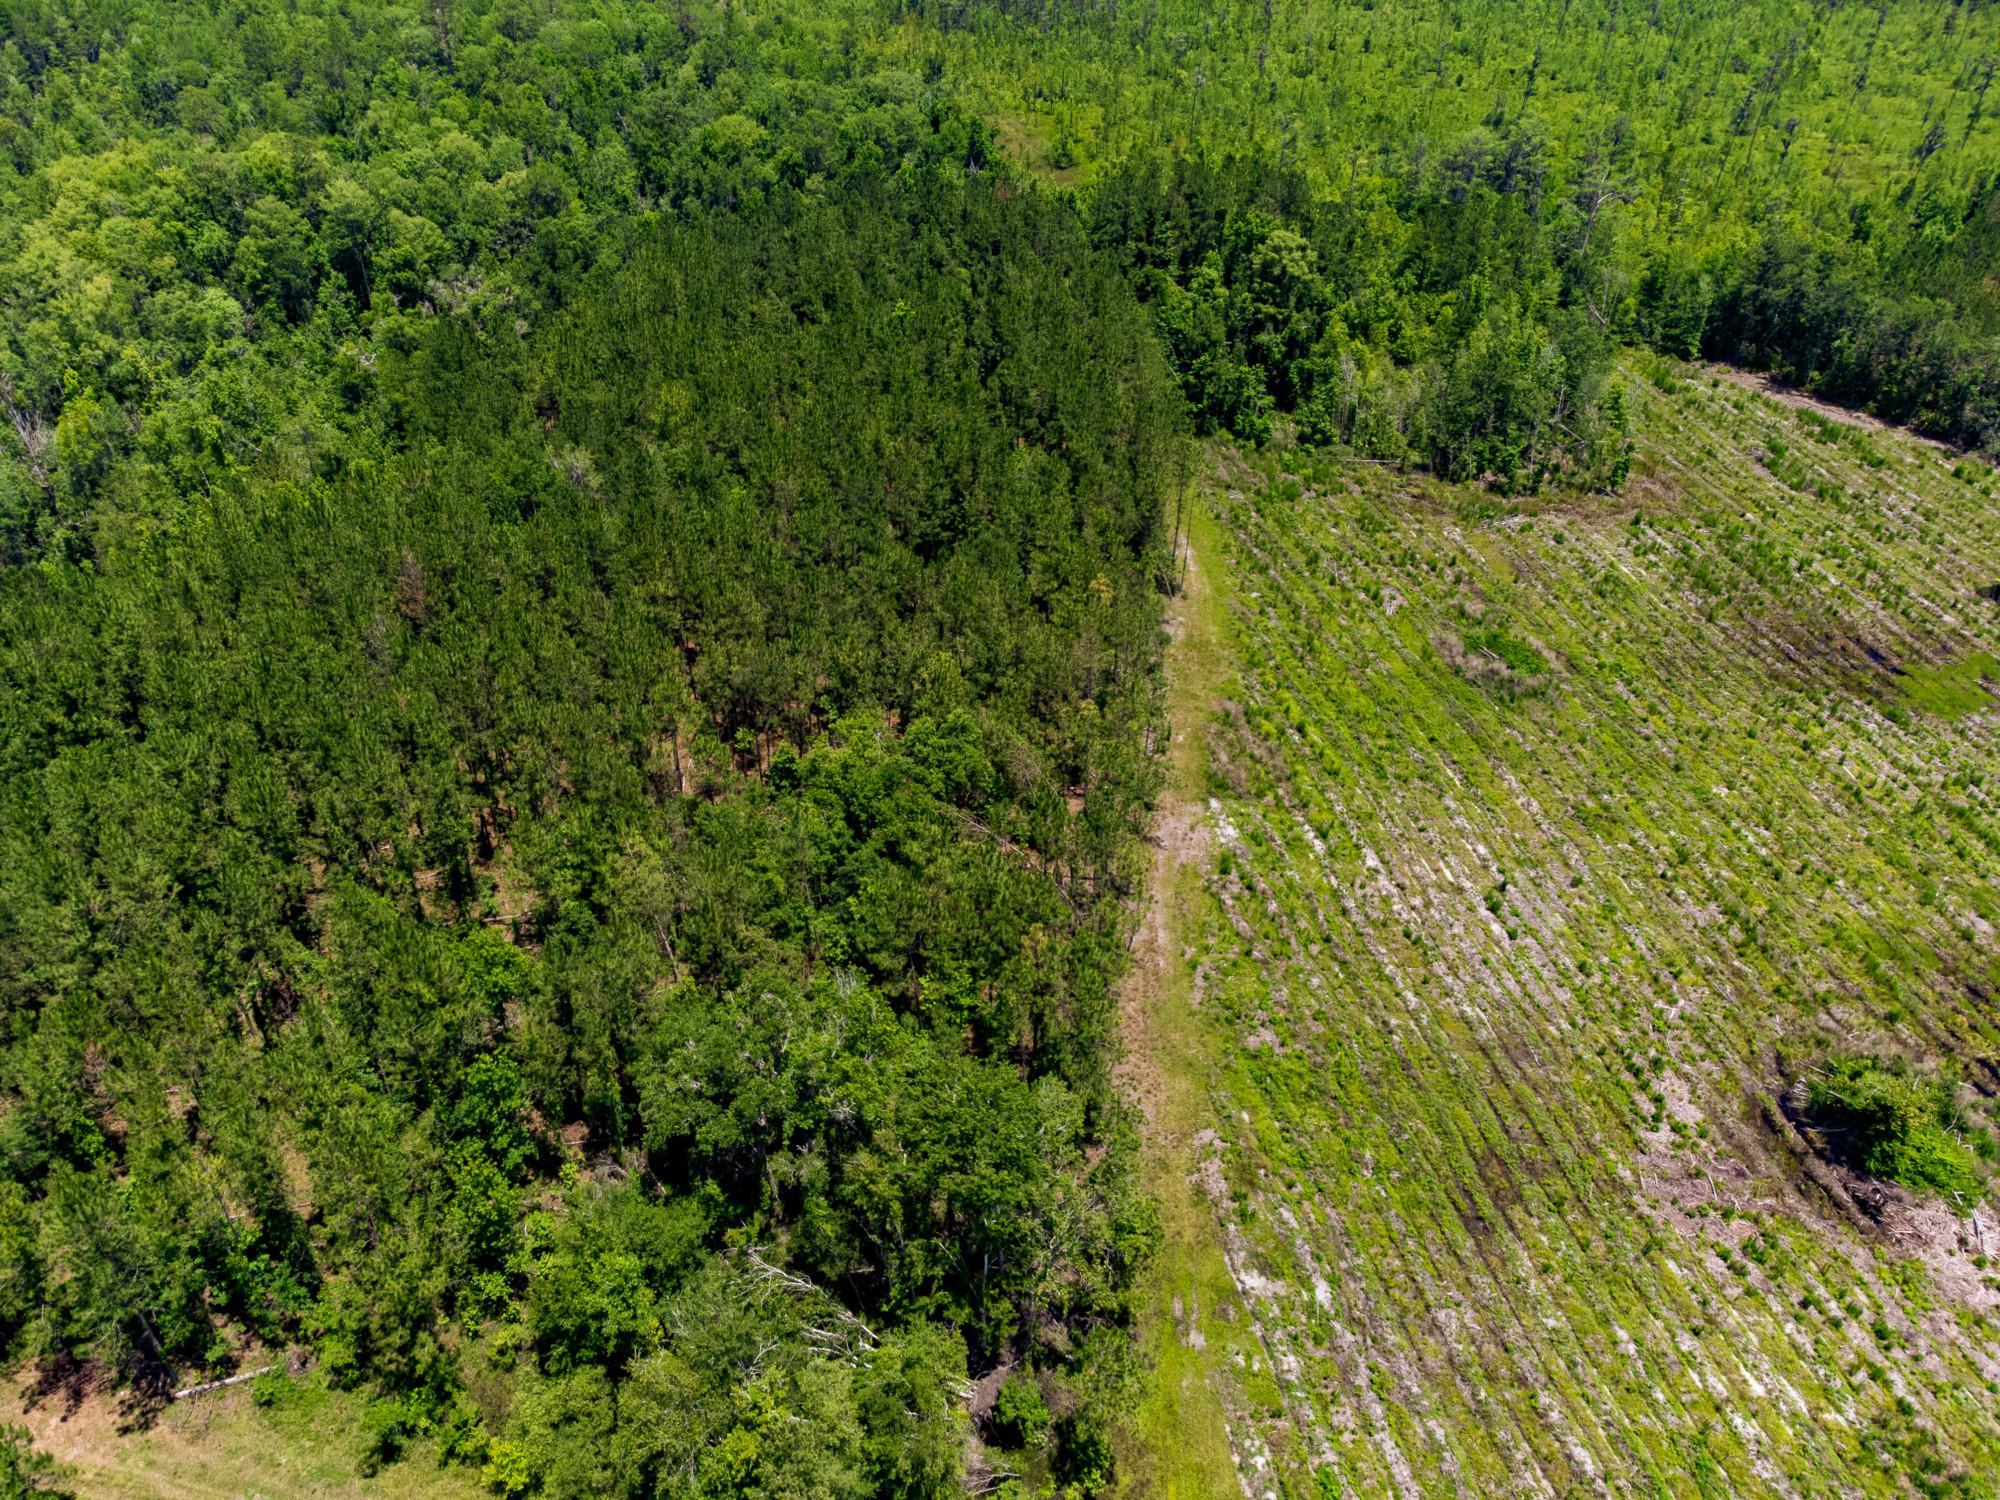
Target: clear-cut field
[1551,841]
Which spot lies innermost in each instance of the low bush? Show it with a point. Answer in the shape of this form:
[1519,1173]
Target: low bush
[1894,1122]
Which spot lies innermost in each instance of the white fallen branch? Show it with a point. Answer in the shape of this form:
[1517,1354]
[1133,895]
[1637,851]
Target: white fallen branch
[215,1385]
[848,1336]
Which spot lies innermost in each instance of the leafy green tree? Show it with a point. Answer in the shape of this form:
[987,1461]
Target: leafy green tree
[909,1398]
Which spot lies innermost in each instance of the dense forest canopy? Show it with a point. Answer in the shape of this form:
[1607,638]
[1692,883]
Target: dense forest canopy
[664,721]
[579,627]
[1805,187]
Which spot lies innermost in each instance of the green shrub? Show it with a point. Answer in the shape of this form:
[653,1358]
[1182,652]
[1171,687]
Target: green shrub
[1517,654]
[1020,1415]
[25,1471]
[1895,1123]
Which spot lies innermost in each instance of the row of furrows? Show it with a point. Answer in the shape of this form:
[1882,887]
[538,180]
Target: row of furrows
[1403,915]
[1740,826]
[1485,1208]
[1930,569]
[1710,711]
[1538,995]
[1378,955]
[1882,751]
[1815,793]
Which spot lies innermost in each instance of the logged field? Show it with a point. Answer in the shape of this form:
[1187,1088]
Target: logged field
[1553,842]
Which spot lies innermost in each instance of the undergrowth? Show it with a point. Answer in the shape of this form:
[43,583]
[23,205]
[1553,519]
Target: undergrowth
[1897,1122]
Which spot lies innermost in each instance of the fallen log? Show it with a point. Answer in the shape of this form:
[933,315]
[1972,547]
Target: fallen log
[215,1385]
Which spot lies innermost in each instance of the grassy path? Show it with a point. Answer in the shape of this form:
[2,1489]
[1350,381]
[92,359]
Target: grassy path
[1195,1325]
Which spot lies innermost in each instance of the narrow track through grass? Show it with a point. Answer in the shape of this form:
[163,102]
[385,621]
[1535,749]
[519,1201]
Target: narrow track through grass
[1181,1438]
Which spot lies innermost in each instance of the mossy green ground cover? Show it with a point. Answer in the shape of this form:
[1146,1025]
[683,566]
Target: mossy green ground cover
[1515,983]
